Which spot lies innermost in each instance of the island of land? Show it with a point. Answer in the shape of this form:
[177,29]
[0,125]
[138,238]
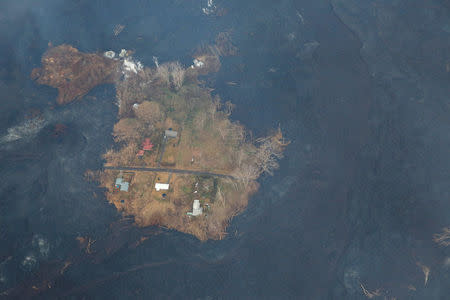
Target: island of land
[178,160]
[73,73]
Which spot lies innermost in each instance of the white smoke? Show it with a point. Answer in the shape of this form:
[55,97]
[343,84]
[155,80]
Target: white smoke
[130,65]
[210,8]
[29,261]
[27,129]
[41,245]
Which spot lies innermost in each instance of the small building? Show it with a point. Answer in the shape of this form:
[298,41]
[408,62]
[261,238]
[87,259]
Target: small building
[170,134]
[161,186]
[122,185]
[196,209]
[147,145]
[119,182]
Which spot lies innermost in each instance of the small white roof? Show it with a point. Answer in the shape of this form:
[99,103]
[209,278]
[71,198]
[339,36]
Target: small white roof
[196,204]
[161,186]
[196,209]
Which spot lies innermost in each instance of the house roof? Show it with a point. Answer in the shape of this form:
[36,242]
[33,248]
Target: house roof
[171,133]
[147,144]
[161,186]
[147,147]
[119,181]
[124,186]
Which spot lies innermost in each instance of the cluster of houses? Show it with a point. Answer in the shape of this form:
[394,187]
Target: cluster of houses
[147,145]
[122,185]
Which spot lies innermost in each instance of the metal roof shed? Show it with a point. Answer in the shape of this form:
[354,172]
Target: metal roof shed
[170,134]
[196,209]
[118,181]
[124,186]
[161,186]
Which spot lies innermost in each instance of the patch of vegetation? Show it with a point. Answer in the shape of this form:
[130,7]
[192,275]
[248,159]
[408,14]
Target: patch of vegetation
[207,141]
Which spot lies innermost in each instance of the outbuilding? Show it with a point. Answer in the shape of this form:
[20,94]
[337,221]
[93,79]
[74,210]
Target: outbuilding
[121,184]
[197,210]
[124,186]
[147,145]
[161,186]
[118,182]
[170,134]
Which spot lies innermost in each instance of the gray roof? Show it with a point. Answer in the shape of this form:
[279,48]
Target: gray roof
[124,186]
[171,133]
[119,181]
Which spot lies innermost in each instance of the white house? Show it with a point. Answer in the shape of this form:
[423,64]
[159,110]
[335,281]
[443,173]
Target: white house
[196,209]
[161,186]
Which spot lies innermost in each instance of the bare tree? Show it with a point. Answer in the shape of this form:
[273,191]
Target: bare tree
[246,173]
[163,74]
[219,196]
[132,90]
[229,107]
[223,129]
[214,107]
[425,270]
[270,150]
[368,293]
[236,133]
[267,156]
[171,74]
[177,74]
[443,238]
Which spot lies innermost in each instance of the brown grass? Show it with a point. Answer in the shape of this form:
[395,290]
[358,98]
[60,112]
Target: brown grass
[149,208]
[205,133]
